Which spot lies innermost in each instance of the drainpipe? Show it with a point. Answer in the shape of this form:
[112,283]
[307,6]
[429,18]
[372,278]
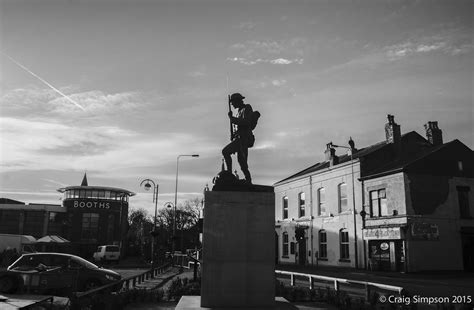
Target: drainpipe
[363,224]
[311,216]
[356,252]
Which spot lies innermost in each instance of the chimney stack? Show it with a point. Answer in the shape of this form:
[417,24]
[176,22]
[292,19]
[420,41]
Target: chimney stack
[433,134]
[352,145]
[330,154]
[392,130]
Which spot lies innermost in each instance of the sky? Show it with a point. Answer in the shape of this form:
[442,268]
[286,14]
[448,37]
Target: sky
[119,89]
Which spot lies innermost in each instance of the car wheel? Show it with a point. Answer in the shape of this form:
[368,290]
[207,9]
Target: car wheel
[91,284]
[8,285]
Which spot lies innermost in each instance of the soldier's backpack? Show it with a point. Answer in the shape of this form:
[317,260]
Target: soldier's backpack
[254,119]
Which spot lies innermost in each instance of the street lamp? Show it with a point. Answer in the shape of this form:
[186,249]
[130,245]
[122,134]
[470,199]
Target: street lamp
[147,187]
[176,196]
[351,150]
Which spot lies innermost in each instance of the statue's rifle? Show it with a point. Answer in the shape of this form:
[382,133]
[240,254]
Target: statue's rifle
[230,120]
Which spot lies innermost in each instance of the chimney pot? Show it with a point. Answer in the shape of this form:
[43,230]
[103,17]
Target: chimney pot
[392,130]
[433,134]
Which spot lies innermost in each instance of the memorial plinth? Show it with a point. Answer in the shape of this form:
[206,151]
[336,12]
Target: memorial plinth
[238,250]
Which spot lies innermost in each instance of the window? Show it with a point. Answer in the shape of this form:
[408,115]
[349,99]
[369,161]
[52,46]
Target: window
[301,204]
[463,198]
[322,201]
[52,217]
[82,193]
[90,225]
[323,244]
[113,195]
[378,203]
[344,244]
[285,207]
[292,248]
[342,191]
[110,227]
[285,244]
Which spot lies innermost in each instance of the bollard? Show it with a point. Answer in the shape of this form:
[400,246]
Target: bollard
[292,281]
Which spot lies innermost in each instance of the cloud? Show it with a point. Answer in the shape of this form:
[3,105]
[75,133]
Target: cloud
[25,143]
[247,26]
[278,61]
[38,101]
[279,82]
[281,52]
[449,42]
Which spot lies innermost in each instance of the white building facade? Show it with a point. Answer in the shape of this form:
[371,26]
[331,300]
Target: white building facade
[404,204]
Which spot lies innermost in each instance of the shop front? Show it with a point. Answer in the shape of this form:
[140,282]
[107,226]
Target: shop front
[386,248]
[97,215]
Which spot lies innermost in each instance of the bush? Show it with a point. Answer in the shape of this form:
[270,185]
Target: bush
[182,287]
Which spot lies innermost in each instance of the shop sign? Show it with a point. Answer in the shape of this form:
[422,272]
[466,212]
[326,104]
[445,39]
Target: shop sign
[384,246]
[91,204]
[424,231]
[383,233]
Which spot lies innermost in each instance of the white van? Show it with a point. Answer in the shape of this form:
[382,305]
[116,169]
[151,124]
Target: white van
[107,253]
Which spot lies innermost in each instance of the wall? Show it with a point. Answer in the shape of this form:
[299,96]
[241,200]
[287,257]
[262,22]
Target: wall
[31,219]
[332,221]
[444,253]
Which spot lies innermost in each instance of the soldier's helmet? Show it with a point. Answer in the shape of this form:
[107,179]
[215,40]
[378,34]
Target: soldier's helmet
[236,96]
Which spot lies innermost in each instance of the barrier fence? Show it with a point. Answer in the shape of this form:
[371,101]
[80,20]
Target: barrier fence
[352,287]
[79,300]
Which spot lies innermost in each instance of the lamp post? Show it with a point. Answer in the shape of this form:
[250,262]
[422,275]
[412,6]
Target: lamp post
[176,196]
[122,198]
[147,187]
[356,252]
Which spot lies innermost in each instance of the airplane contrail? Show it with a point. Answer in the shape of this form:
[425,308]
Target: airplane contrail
[44,81]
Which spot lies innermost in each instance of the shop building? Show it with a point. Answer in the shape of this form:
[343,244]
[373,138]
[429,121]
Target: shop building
[97,215]
[34,219]
[386,207]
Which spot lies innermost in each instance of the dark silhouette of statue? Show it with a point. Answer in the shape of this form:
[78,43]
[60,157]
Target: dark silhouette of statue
[241,139]
[241,135]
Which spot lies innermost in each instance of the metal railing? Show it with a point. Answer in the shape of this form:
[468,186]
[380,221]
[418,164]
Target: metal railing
[184,260]
[339,284]
[79,298]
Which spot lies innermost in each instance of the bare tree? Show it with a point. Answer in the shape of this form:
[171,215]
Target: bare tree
[140,225]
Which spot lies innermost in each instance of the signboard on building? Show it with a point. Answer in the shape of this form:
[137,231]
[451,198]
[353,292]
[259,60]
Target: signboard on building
[424,231]
[88,205]
[382,233]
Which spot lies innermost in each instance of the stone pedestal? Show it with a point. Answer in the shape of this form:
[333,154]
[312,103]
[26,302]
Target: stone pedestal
[238,250]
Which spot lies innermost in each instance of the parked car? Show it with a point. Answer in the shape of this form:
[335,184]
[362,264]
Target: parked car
[46,273]
[106,253]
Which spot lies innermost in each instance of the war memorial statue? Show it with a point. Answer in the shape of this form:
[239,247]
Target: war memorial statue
[238,252]
[242,138]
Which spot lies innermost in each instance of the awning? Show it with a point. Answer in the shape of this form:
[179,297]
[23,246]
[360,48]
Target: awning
[52,239]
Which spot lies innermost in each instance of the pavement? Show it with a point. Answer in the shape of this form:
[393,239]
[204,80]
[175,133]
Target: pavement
[163,281]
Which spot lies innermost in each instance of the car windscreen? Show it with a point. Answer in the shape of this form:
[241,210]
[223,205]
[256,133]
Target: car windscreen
[84,262]
[112,248]
[25,262]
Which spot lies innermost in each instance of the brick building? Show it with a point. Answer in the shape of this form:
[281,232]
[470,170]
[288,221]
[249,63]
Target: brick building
[412,198]
[89,216]
[37,220]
